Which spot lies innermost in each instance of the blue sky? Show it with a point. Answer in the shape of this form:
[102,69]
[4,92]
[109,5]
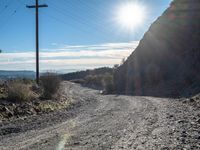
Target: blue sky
[74,34]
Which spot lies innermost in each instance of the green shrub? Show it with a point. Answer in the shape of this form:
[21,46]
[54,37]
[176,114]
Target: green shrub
[50,83]
[108,83]
[18,92]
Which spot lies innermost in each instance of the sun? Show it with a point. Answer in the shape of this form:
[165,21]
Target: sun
[130,15]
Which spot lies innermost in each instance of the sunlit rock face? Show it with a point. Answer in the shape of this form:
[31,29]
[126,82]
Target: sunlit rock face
[167,60]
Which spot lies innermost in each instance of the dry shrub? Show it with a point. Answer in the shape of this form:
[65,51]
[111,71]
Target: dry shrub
[18,92]
[50,83]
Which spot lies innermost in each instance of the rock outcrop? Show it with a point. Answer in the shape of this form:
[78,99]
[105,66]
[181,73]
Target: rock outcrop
[167,60]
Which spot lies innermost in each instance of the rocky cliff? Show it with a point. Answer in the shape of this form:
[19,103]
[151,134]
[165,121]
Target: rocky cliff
[167,60]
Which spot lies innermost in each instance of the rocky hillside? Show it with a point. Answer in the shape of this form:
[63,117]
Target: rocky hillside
[167,60]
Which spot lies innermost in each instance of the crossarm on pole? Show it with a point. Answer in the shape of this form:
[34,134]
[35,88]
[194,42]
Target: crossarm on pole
[33,6]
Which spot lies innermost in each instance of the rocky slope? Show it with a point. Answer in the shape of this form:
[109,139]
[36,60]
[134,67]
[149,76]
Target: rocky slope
[167,60]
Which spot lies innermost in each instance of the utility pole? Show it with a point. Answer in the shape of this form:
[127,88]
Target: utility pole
[36,6]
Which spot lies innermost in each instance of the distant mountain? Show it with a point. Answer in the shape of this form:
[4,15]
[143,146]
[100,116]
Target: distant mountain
[167,59]
[16,74]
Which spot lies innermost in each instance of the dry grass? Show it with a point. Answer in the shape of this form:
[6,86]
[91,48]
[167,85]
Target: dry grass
[19,92]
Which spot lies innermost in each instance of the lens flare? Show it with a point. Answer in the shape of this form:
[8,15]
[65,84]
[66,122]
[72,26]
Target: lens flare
[130,15]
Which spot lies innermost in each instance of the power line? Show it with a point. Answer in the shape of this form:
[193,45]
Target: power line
[69,24]
[81,21]
[83,30]
[84,26]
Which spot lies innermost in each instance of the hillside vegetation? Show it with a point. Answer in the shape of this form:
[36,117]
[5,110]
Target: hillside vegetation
[100,78]
[83,74]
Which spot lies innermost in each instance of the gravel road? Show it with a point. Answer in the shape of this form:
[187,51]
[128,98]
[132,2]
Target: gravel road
[101,122]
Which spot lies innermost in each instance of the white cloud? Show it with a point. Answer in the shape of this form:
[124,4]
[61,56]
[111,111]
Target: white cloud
[54,44]
[73,56]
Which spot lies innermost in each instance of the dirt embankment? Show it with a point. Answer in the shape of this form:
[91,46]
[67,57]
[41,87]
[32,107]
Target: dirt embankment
[12,110]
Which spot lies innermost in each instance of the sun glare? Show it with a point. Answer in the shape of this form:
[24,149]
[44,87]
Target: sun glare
[130,15]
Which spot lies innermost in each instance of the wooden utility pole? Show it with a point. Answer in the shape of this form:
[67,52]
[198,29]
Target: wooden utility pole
[36,6]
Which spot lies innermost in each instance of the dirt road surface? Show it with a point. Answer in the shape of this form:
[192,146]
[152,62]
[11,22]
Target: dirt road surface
[107,122]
